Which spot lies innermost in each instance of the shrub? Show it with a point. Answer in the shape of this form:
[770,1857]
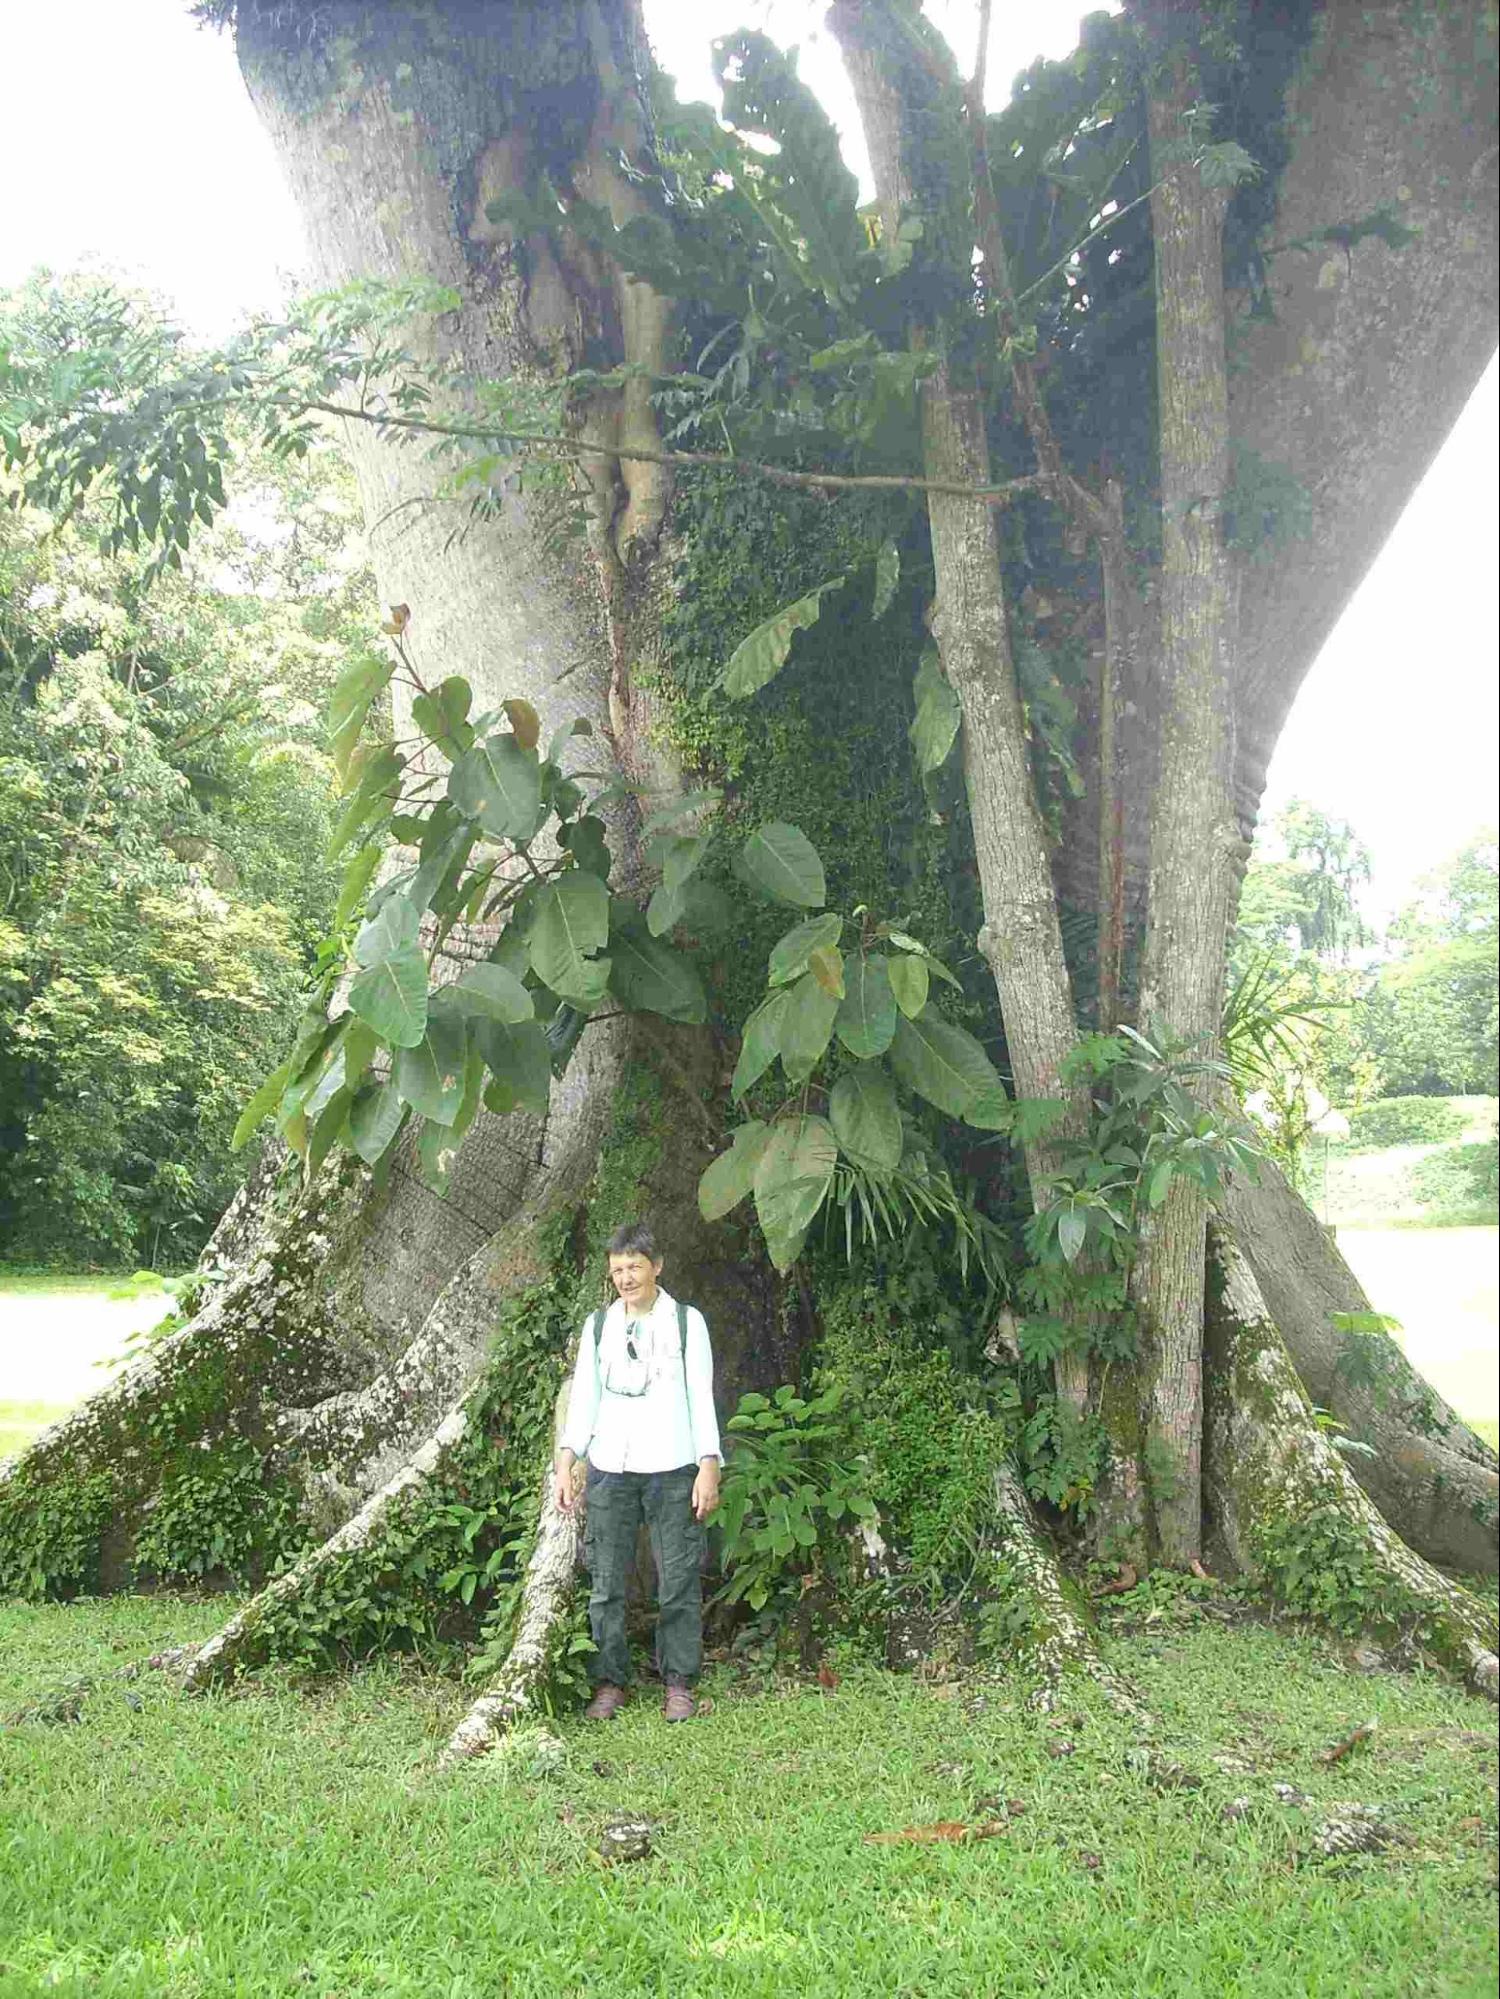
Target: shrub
[1405,1121]
[1461,1184]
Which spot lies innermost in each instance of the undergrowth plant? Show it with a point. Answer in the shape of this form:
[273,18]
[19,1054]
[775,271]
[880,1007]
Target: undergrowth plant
[795,1482]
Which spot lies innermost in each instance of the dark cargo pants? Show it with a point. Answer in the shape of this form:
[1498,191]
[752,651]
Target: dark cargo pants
[618,1502]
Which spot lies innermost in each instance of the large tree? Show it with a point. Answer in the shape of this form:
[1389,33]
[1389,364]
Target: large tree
[1099,349]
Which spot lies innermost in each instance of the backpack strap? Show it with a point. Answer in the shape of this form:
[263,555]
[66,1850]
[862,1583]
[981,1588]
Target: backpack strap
[682,1312]
[594,1328]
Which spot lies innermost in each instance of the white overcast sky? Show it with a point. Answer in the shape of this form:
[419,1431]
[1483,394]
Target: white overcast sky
[128,142]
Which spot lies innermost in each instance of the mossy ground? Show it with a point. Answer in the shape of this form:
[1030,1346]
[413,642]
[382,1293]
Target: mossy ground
[280,1838]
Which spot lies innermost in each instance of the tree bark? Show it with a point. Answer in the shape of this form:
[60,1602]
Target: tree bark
[1192,833]
[1352,380]
[1432,1478]
[1021,937]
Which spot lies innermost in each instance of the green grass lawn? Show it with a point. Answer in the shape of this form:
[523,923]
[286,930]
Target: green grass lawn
[272,1841]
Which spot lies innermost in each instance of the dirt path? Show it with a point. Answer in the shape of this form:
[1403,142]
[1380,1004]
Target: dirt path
[50,1340]
[1441,1285]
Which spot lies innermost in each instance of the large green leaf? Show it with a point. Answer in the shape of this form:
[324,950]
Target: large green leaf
[782,862]
[499,784]
[867,1018]
[806,1027]
[261,1105]
[914,945]
[491,992]
[791,953]
[519,1062]
[791,1181]
[730,1177]
[760,657]
[678,855]
[805,197]
[358,871]
[651,977]
[569,923]
[372,780]
[438,1145]
[938,719]
[887,576]
[375,1116]
[700,907]
[394,928]
[444,854]
[909,982]
[866,1120]
[350,703]
[392,996]
[430,1076]
[942,1063]
[443,715]
[761,1044]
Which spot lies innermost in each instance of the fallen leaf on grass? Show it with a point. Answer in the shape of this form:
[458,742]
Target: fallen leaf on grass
[952,1830]
[1337,1751]
[827,1677]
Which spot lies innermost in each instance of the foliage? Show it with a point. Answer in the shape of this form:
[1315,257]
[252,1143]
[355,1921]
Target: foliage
[905,1348]
[1321,1566]
[847,991]
[1460,1185]
[794,1485]
[1307,899]
[1147,1128]
[219,1517]
[163,805]
[1405,1121]
[1434,1017]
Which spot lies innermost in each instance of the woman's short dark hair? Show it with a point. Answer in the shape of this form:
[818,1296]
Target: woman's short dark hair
[633,1239]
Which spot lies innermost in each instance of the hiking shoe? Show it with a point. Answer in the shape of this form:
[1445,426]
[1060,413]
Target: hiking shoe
[678,1704]
[606,1703]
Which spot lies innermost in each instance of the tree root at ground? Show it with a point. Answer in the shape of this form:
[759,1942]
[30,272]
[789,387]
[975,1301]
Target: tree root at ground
[1061,1640]
[544,1607]
[1434,1481]
[1272,1474]
[222,1654]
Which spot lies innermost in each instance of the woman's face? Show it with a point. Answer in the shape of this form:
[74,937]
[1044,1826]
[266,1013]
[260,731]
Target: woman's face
[634,1277]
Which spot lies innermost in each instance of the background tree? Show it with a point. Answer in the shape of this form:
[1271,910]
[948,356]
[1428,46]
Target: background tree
[1432,1020]
[165,798]
[511,158]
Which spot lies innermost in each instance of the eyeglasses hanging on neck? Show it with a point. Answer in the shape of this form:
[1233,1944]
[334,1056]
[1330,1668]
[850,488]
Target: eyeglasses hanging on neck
[634,1379]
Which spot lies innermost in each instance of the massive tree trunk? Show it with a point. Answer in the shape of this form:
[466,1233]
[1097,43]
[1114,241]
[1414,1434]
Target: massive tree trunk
[357,1320]
[358,1317]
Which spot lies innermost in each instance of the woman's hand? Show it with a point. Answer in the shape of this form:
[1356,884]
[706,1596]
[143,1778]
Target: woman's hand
[706,1489]
[567,1498]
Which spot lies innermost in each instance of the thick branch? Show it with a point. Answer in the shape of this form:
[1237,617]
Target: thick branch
[1192,822]
[779,475]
